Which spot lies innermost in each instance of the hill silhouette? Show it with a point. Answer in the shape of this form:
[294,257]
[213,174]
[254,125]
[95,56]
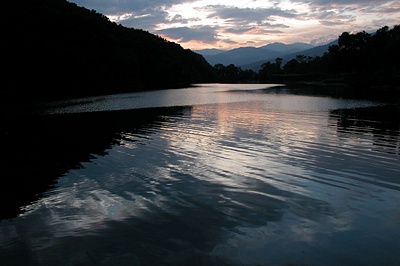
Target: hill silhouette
[243,56]
[313,52]
[367,62]
[362,61]
[54,48]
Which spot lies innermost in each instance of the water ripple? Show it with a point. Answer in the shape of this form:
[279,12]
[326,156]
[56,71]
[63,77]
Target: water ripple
[239,180]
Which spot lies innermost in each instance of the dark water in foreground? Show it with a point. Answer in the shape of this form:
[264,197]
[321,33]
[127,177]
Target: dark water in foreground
[215,175]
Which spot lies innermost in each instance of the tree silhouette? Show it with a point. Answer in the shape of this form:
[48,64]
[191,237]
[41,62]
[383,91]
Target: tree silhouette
[362,60]
[57,49]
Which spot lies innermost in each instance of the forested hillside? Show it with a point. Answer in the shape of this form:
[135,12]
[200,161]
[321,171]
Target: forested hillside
[361,59]
[53,48]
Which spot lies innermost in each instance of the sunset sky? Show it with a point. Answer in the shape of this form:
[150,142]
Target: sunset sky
[227,24]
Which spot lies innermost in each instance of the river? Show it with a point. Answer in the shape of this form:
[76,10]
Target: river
[215,174]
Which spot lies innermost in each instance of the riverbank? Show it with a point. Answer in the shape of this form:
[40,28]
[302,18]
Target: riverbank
[337,87]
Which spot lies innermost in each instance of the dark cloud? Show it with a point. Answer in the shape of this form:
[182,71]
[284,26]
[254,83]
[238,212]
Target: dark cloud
[108,7]
[248,15]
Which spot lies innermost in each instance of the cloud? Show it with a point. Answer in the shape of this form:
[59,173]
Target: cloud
[334,17]
[274,25]
[332,23]
[352,6]
[206,34]
[324,40]
[388,9]
[179,19]
[143,14]
[126,6]
[235,23]
[251,30]
[147,20]
[341,2]
[248,15]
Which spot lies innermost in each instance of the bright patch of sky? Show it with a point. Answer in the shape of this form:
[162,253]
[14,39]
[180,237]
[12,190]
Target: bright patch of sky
[199,24]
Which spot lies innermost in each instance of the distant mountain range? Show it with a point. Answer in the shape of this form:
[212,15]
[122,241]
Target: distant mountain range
[252,57]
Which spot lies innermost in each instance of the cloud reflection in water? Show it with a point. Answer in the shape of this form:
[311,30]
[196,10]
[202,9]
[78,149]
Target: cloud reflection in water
[248,182]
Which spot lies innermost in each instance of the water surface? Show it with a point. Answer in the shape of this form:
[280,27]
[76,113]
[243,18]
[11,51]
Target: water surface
[210,175]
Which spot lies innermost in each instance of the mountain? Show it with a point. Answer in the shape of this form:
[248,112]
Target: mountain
[288,48]
[212,51]
[246,55]
[241,56]
[315,51]
[54,48]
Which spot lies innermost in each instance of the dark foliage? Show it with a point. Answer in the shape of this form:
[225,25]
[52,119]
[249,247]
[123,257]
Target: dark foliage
[361,60]
[234,74]
[370,62]
[53,48]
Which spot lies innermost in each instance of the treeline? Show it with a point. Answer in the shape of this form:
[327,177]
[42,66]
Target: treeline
[54,48]
[361,60]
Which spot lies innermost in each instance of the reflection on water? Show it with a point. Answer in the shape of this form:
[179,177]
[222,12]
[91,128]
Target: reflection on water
[250,178]
[39,149]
